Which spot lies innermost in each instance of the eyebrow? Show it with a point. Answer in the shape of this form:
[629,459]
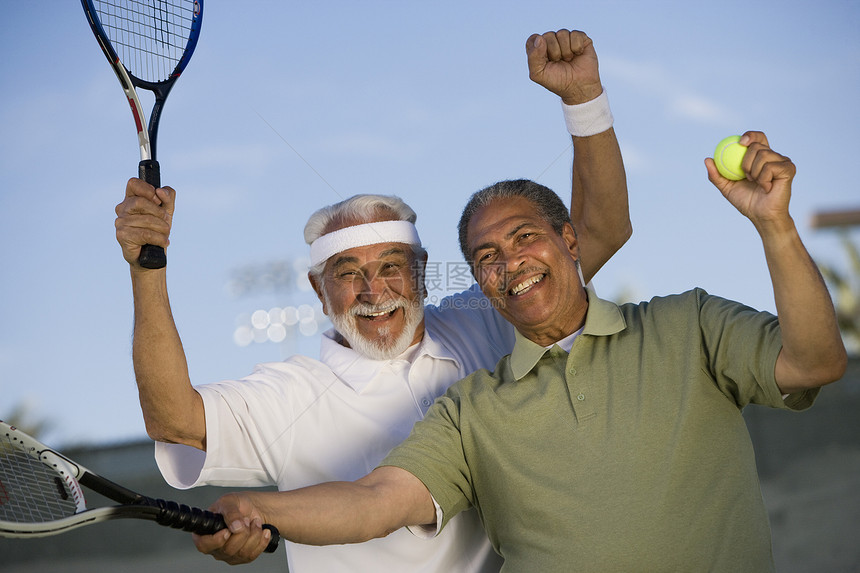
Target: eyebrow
[508,235]
[392,251]
[343,260]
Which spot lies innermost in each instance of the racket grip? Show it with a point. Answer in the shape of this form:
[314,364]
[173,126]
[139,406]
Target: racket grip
[201,521]
[151,256]
[275,539]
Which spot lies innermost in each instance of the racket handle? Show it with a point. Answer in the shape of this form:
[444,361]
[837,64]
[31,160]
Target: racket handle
[275,539]
[151,256]
[200,521]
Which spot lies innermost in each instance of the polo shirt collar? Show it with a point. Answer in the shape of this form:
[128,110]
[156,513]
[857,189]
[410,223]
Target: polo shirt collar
[357,370]
[602,318]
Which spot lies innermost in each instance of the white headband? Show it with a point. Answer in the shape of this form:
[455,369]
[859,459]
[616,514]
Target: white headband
[363,235]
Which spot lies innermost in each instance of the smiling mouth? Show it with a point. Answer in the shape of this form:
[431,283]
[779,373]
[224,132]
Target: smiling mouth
[525,286]
[380,315]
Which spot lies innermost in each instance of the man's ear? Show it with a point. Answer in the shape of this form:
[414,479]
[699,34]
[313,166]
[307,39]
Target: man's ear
[568,233]
[423,286]
[318,289]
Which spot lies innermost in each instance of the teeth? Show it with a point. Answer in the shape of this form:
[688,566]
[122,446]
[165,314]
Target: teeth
[526,284]
[389,310]
[374,315]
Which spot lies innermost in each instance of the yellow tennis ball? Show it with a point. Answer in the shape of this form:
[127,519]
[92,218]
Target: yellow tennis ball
[728,157]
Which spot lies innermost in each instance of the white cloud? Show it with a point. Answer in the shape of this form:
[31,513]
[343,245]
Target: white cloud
[676,97]
[701,109]
[635,158]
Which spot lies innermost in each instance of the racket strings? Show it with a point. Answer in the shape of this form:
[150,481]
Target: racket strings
[30,491]
[149,36]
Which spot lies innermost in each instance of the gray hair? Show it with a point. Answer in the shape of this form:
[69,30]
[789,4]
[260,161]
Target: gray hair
[548,205]
[355,210]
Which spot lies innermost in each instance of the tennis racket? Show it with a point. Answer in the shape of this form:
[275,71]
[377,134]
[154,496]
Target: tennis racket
[148,44]
[41,494]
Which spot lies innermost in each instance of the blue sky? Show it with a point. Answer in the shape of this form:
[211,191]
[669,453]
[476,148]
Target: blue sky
[303,104]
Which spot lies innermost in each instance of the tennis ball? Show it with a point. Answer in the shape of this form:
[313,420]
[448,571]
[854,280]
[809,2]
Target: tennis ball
[728,156]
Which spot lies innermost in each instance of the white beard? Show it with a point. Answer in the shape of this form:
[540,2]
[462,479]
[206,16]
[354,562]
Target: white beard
[384,347]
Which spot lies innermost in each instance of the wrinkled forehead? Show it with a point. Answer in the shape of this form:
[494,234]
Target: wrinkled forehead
[501,217]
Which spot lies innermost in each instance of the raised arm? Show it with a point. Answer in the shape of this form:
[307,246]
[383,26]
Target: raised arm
[330,513]
[172,409]
[565,63]
[812,350]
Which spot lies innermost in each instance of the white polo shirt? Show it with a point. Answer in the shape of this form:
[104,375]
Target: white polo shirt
[302,421]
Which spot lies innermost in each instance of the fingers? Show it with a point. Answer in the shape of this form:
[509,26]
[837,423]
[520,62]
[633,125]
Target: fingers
[211,544]
[556,42]
[144,218]
[563,45]
[762,164]
[714,176]
[140,192]
[764,194]
[536,52]
[753,136]
[242,542]
[565,63]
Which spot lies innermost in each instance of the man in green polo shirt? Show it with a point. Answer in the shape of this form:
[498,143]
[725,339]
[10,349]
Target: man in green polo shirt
[611,438]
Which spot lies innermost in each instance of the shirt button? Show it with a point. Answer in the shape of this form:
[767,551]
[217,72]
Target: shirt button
[425,401]
[572,371]
[581,397]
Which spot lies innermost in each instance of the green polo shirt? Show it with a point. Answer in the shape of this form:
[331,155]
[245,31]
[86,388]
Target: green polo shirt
[627,454]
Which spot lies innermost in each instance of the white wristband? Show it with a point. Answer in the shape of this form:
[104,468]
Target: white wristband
[588,118]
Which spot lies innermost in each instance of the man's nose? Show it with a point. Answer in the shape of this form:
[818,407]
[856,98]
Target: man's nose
[372,289]
[508,262]
[512,259]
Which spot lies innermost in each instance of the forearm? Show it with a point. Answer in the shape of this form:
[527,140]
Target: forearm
[342,512]
[599,206]
[326,514]
[565,63]
[172,409]
[813,353]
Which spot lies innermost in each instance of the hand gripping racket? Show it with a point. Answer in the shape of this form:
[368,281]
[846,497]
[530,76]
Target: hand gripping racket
[41,495]
[148,44]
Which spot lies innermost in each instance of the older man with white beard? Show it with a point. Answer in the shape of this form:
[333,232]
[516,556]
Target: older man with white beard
[378,323]
[303,421]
